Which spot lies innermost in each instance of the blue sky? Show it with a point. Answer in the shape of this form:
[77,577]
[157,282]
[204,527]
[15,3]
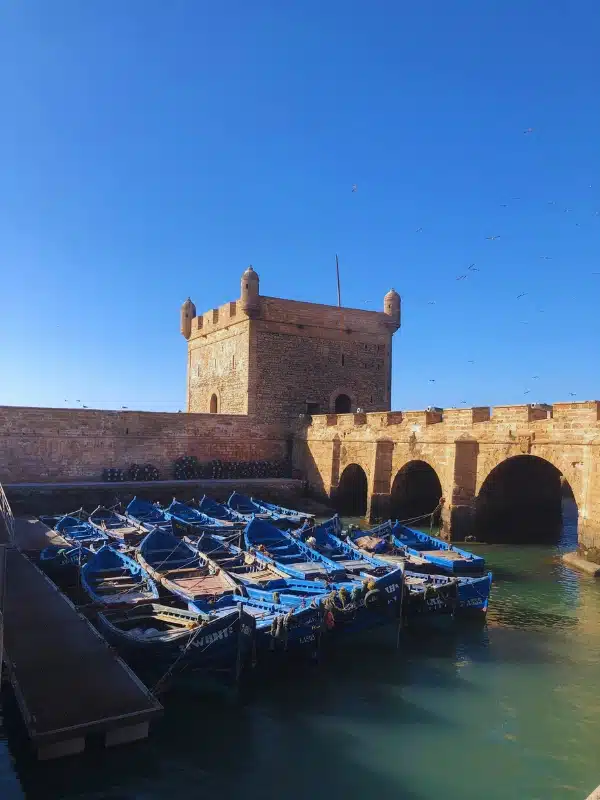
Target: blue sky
[151,150]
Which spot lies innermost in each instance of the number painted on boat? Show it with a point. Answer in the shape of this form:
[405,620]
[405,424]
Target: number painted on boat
[307,639]
[392,588]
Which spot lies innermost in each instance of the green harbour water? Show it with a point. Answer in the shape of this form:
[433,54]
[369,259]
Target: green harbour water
[503,709]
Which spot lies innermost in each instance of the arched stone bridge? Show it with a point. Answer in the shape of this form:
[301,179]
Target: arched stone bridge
[491,466]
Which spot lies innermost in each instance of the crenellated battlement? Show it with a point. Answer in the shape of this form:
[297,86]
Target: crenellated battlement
[217,319]
[559,415]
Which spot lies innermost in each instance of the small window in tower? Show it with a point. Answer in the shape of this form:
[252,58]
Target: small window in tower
[342,361]
[214,404]
[198,370]
[246,286]
[232,362]
[343,404]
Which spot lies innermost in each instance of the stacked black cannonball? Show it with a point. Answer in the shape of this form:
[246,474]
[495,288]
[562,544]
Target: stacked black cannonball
[145,472]
[186,468]
[189,468]
[113,474]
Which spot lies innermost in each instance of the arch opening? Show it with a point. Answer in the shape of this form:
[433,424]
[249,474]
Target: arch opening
[343,404]
[351,494]
[416,491]
[214,404]
[526,500]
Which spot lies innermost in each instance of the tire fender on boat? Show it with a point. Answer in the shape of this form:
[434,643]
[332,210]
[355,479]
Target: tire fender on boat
[373,598]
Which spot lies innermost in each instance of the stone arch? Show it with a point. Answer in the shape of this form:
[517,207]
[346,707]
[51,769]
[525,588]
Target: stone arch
[415,491]
[342,390]
[214,404]
[525,499]
[351,494]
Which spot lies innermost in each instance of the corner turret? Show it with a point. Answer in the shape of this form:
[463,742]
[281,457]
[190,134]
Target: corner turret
[391,307]
[250,294]
[188,312]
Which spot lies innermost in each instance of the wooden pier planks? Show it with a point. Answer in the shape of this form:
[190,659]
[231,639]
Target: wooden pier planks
[68,682]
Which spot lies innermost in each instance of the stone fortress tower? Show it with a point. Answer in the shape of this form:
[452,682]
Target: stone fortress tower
[277,359]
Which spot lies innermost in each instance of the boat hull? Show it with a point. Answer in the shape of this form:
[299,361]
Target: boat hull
[216,645]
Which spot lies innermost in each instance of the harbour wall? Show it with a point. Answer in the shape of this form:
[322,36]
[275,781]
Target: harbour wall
[61,498]
[50,445]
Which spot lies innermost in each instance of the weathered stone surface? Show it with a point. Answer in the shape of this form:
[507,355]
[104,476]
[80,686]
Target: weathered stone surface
[463,446]
[281,358]
[50,444]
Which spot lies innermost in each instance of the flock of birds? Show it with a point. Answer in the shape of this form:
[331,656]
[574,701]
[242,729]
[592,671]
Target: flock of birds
[472,268]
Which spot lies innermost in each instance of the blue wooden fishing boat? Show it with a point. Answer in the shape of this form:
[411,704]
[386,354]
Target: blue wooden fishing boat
[188,518]
[291,555]
[221,512]
[62,563]
[442,593]
[75,530]
[115,526]
[452,559]
[112,578]
[181,569]
[249,509]
[147,515]
[161,641]
[396,541]
[283,514]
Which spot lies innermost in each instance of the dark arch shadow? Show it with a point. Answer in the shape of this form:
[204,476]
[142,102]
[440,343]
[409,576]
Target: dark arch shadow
[416,491]
[343,404]
[351,494]
[525,500]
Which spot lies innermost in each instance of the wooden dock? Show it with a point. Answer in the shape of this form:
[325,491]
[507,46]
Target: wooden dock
[68,682]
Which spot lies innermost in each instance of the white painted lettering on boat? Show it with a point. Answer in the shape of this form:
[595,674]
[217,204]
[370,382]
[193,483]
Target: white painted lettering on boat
[306,639]
[392,588]
[211,638]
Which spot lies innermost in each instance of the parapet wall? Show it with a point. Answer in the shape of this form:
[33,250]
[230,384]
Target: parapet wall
[54,445]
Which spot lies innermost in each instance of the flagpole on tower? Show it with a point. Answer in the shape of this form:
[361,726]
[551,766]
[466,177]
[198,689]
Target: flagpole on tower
[337,269]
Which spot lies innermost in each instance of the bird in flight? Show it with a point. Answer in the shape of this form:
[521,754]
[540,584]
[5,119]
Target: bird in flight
[503,205]
[123,406]
[463,402]
[535,377]
[572,394]
[470,362]
[431,380]
[551,202]
[527,391]
[567,210]
[521,295]
[461,277]
[528,130]
[85,406]
[546,258]
[473,268]
[431,303]
[491,238]
[523,322]
[516,198]
[419,230]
